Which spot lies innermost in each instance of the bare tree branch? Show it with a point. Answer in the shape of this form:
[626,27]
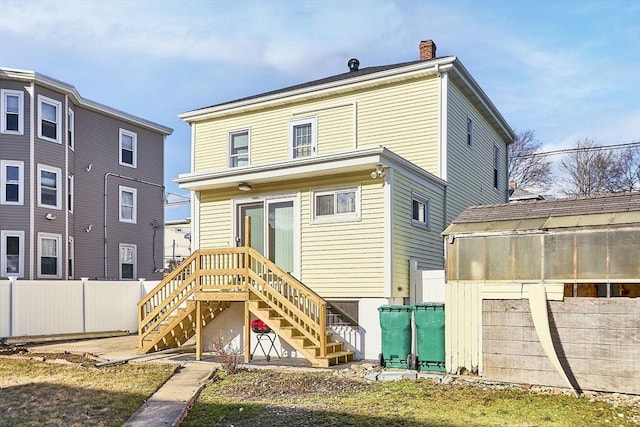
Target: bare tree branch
[591,170]
[528,166]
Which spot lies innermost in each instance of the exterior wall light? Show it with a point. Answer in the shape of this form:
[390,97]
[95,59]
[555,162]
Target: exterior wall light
[244,186]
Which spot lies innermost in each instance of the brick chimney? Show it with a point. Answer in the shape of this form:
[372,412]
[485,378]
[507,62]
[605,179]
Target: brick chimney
[427,50]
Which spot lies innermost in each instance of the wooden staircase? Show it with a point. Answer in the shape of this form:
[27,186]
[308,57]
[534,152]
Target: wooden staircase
[205,284]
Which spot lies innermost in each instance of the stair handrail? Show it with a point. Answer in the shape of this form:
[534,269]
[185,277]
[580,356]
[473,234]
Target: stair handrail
[169,278]
[317,332]
[150,314]
[304,308]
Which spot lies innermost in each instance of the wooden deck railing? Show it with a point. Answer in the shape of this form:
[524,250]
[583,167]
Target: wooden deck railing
[241,269]
[290,298]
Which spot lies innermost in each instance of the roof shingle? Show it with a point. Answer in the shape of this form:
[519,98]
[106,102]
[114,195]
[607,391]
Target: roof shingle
[609,203]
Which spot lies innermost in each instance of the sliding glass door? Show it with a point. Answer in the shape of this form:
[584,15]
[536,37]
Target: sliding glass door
[272,230]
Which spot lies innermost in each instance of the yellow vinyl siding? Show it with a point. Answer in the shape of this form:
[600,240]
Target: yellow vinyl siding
[338,259]
[411,241]
[401,116]
[470,169]
[404,118]
[216,214]
[345,260]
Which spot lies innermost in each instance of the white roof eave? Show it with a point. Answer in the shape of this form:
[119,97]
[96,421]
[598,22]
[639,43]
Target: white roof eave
[339,163]
[41,79]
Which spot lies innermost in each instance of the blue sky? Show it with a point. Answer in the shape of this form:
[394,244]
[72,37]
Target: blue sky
[566,68]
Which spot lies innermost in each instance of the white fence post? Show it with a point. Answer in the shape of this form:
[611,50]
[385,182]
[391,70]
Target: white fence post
[84,303]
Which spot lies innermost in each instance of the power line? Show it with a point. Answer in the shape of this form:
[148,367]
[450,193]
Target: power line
[573,150]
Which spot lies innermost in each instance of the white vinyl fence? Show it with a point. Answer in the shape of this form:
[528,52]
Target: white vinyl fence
[45,307]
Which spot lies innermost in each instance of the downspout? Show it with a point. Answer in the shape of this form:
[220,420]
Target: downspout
[33,196]
[106,176]
[65,249]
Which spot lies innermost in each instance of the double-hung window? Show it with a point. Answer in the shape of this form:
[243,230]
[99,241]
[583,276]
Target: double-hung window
[239,149]
[12,106]
[420,211]
[50,119]
[71,249]
[496,162]
[71,129]
[49,264]
[127,261]
[128,148]
[49,187]
[303,138]
[12,252]
[70,193]
[336,205]
[12,181]
[128,204]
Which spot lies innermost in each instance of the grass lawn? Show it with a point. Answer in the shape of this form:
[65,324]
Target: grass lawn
[35,393]
[268,398]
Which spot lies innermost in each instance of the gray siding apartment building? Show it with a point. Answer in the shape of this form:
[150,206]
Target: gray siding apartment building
[81,185]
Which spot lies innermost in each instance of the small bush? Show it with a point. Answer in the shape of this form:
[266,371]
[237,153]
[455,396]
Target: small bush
[228,355]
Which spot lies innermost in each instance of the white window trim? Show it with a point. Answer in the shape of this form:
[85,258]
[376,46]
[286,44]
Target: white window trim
[496,170]
[345,217]
[469,132]
[3,120]
[134,213]
[3,182]
[71,129]
[58,239]
[58,173]
[71,250]
[3,253]
[70,195]
[229,145]
[58,105]
[314,135]
[134,158]
[427,213]
[135,260]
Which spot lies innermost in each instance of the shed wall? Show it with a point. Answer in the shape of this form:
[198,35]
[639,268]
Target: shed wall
[596,338]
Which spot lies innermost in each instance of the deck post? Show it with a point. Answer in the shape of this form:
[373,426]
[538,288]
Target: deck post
[198,270]
[323,328]
[247,333]
[198,330]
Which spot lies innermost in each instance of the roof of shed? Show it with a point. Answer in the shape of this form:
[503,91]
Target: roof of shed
[621,208]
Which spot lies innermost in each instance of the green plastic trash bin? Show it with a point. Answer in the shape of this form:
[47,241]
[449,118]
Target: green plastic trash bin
[395,322]
[429,321]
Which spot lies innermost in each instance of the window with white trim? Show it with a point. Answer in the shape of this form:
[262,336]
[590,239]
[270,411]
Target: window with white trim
[496,162]
[128,261]
[336,205]
[12,181]
[12,106]
[128,148]
[49,260]
[49,187]
[420,211]
[70,193]
[12,252]
[302,138]
[71,129]
[239,148]
[128,204]
[50,119]
[71,249]
[469,132]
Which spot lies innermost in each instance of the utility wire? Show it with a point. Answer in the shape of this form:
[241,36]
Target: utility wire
[573,150]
